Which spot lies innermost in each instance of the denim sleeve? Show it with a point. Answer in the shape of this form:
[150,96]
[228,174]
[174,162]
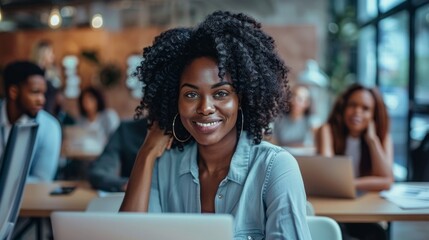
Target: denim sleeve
[154,198]
[285,200]
[46,152]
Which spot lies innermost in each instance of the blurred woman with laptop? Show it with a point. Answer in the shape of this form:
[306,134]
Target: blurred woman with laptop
[358,126]
[210,91]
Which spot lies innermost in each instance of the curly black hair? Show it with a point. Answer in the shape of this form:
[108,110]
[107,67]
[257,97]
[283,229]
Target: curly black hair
[241,49]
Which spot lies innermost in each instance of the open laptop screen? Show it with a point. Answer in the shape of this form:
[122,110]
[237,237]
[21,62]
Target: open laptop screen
[327,176]
[136,226]
[14,167]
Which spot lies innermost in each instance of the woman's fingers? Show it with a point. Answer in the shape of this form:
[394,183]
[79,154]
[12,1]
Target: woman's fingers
[170,142]
[157,140]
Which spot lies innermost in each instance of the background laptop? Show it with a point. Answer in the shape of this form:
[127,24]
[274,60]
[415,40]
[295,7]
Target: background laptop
[327,176]
[147,226]
[14,167]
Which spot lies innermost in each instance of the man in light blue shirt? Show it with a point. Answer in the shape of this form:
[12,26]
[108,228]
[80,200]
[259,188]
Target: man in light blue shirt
[25,86]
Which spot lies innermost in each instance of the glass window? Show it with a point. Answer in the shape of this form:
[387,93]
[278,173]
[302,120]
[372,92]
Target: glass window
[422,56]
[418,1]
[386,5]
[393,64]
[419,127]
[367,9]
[393,51]
[366,56]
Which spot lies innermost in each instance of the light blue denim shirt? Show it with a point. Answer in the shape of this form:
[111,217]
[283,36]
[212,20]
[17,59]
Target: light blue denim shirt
[263,190]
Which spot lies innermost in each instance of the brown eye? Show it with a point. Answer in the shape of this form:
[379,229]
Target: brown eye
[191,95]
[221,94]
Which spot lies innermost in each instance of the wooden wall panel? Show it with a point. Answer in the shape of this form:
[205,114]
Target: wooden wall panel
[295,45]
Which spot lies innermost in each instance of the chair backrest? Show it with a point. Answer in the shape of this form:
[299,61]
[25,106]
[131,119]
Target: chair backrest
[309,209]
[105,204]
[323,228]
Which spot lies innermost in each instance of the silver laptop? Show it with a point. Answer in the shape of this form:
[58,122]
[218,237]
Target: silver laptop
[327,176]
[147,226]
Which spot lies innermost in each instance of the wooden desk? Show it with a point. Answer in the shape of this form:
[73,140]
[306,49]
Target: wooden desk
[367,208]
[38,203]
[79,155]
[81,143]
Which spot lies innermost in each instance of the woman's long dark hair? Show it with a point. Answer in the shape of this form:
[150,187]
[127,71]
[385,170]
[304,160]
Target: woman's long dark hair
[340,131]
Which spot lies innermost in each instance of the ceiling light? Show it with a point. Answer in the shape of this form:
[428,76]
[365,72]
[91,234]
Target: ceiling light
[0,15]
[97,21]
[55,18]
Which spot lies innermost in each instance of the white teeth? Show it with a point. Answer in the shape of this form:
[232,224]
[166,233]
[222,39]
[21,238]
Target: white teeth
[206,124]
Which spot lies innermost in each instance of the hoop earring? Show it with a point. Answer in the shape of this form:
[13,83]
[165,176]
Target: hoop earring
[174,132]
[242,122]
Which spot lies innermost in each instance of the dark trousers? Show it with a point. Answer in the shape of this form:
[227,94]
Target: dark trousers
[363,231]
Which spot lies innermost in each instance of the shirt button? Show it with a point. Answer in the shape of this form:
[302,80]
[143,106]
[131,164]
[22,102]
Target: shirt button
[220,196]
[249,238]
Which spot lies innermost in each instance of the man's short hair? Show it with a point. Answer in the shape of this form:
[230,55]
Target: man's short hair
[18,72]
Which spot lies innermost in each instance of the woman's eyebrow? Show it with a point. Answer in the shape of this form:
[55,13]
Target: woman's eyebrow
[188,85]
[220,84]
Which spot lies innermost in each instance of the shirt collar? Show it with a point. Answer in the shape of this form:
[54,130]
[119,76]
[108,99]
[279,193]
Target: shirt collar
[4,120]
[239,164]
[3,116]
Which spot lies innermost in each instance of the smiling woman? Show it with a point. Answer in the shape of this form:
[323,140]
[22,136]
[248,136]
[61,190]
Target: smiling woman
[208,107]
[210,92]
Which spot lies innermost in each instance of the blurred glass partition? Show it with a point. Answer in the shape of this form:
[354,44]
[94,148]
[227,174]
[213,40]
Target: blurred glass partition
[367,9]
[421,88]
[393,65]
[386,5]
[367,64]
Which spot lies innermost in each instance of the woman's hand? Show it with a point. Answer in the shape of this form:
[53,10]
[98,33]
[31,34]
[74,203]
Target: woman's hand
[156,141]
[371,133]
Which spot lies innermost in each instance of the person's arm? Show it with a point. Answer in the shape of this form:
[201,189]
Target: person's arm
[138,189]
[104,172]
[44,165]
[324,141]
[382,163]
[285,200]
[113,121]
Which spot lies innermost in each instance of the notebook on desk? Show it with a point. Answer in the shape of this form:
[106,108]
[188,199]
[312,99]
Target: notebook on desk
[148,226]
[327,176]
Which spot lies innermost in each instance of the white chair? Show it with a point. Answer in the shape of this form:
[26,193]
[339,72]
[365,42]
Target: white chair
[105,204]
[323,228]
[309,209]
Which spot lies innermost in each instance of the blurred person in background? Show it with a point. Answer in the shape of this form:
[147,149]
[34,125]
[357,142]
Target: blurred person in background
[111,170]
[89,135]
[54,104]
[43,55]
[358,126]
[94,116]
[295,128]
[25,88]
